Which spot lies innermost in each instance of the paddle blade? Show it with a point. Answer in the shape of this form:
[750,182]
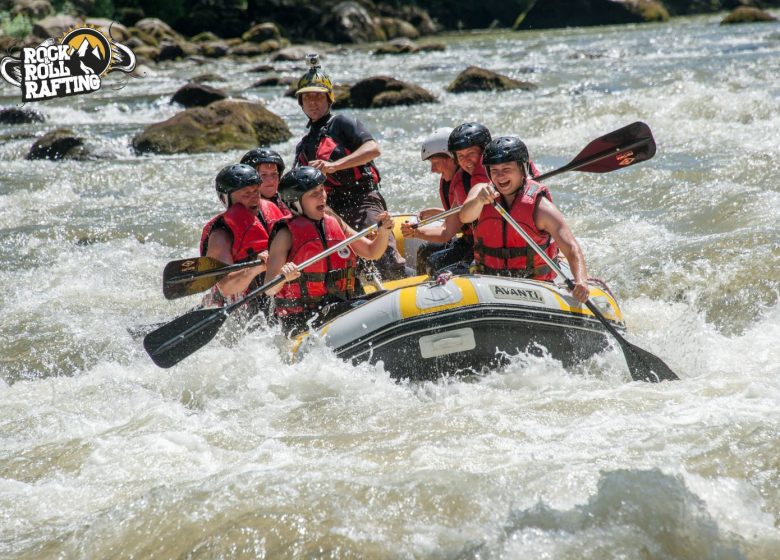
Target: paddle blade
[627,146]
[645,366]
[174,341]
[174,287]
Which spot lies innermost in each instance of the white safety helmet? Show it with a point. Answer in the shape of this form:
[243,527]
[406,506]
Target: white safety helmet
[436,144]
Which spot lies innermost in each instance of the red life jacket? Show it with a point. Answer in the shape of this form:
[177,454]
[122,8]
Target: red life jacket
[334,275]
[461,185]
[249,235]
[501,251]
[328,149]
[270,213]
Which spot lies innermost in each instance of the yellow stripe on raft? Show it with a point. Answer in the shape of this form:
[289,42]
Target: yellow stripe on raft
[408,299]
[613,313]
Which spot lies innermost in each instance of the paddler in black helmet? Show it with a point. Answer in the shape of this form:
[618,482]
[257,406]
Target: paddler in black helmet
[498,249]
[270,165]
[236,235]
[310,231]
[343,149]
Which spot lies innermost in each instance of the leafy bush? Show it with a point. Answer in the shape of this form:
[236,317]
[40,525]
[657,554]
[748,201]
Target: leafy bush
[19,26]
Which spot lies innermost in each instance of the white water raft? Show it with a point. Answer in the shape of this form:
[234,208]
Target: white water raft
[468,324]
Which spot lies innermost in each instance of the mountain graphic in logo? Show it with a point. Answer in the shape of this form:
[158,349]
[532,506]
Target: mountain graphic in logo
[89,51]
[73,66]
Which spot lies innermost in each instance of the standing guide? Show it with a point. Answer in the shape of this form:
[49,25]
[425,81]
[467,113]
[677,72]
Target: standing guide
[343,149]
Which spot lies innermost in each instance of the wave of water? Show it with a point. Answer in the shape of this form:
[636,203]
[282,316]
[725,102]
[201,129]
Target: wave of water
[238,453]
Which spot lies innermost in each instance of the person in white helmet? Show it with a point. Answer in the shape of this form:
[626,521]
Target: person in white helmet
[443,248]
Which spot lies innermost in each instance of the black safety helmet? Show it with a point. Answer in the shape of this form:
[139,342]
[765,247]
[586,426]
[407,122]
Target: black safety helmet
[505,149]
[467,135]
[296,183]
[235,177]
[263,155]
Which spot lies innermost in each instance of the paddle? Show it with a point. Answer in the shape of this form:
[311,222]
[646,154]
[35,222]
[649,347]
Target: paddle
[174,341]
[191,276]
[643,365]
[618,149]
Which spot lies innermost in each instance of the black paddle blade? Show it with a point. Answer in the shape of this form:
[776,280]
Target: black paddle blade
[645,366]
[174,341]
[173,288]
[629,145]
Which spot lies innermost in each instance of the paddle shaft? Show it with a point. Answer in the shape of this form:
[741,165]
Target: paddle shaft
[571,166]
[305,264]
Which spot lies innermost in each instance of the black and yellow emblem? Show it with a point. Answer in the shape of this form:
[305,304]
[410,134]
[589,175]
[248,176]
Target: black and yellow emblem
[71,67]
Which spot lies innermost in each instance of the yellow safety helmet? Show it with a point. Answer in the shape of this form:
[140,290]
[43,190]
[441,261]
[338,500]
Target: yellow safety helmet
[315,80]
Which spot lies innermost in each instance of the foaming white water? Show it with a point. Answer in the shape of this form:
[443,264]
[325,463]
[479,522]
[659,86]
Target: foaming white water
[237,453]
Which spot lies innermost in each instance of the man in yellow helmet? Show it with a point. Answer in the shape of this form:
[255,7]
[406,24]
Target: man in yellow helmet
[342,148]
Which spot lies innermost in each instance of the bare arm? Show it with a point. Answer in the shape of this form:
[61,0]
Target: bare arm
[548,218]
[433,232]
[365,153]
[479,195]
[278,253]
[220,245]
[428,212]
[374,248]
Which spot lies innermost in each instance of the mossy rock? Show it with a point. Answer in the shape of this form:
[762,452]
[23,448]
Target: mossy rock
[385,91]
[14,115]
[747,15]
[197,95]
[59,144]
[221,126]
[474,78]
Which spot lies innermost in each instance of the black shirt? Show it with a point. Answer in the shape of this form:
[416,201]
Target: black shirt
[346,130]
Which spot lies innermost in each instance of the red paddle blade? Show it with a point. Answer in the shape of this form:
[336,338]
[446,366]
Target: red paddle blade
[623,147]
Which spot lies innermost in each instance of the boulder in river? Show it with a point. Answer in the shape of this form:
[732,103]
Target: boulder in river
[197,95]
[294,53]
[351,22]
[545,14]
[745,14]
[262,32]
[224,125]
[54,26]
[32,9]
[474,78]
[58,144]
[14,115]
[385,91]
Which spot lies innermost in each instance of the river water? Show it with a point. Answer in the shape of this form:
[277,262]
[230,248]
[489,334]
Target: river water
[236,453]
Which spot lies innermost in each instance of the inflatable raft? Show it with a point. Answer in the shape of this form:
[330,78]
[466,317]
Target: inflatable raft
[467,324]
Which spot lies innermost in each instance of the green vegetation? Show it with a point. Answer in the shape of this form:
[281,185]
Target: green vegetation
[18,27]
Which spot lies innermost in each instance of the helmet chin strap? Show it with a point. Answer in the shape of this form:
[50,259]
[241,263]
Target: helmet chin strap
[295,208]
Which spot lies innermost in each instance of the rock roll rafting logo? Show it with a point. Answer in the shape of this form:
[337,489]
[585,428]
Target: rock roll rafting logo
[72,67]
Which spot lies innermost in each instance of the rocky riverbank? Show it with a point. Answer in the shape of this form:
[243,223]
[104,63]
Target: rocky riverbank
[263,30]
[221,27]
